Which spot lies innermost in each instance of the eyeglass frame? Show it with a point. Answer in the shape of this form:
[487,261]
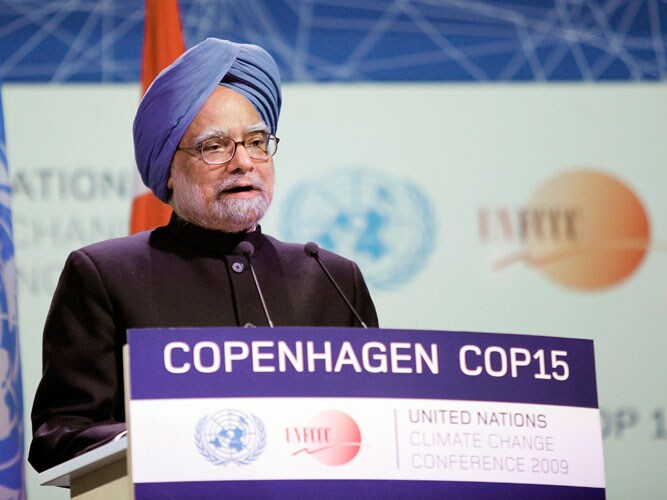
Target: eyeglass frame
[199,147]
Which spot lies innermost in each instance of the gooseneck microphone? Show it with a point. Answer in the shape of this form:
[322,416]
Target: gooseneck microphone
[313,250]
[247,249]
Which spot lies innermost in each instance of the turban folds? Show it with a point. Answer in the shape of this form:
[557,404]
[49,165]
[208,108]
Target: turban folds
[180,90]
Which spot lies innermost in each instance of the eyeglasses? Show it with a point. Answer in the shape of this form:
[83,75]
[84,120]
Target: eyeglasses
[219,150]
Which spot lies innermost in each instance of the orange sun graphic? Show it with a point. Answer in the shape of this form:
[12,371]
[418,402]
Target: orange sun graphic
[607,237]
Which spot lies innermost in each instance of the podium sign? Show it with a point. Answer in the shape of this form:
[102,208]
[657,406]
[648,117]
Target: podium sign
[327,412]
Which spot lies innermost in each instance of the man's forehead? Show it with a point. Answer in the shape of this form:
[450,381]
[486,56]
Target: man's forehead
[225,132]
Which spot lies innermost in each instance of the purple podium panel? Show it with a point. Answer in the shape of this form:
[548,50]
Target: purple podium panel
[294,412]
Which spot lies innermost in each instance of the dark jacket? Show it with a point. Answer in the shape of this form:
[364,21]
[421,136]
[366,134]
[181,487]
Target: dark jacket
[179,275]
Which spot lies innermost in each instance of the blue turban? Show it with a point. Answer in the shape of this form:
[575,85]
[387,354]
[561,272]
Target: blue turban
[180,90]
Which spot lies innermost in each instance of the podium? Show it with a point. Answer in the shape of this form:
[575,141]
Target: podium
[100,474]
[336,412]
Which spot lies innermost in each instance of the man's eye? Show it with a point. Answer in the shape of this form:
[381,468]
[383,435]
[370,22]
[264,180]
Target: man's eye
[213,146]
[256,141]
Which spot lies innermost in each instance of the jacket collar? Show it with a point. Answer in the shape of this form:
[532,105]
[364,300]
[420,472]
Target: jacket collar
[217,242]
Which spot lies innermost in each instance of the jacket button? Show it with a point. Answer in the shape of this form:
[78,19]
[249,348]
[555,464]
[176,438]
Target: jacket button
[238,267]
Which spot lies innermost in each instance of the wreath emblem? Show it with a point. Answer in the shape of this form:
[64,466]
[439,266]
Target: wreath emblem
[230,436]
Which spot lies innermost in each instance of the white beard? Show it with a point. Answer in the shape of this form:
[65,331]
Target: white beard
[225,213]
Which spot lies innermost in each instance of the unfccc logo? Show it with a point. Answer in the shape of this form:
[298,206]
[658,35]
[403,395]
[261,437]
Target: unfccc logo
[583,229]
[330,437]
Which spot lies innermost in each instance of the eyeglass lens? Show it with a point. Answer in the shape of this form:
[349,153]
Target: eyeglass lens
[260,146]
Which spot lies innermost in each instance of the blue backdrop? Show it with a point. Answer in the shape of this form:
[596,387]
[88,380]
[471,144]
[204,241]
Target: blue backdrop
[353,40]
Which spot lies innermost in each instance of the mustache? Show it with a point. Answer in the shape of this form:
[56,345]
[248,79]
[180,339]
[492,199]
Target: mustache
[235,181]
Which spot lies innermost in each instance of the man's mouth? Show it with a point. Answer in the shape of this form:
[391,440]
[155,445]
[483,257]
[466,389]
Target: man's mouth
[239,189]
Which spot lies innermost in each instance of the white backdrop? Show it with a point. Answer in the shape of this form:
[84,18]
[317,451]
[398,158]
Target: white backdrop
[400,177]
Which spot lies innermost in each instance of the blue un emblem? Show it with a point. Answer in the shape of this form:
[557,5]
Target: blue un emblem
[11,397]
[230,436]
[384,224]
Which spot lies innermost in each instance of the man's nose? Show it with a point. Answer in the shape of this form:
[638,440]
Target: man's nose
[241,160]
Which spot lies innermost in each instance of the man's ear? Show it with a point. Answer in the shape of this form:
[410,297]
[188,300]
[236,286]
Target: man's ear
[170,181]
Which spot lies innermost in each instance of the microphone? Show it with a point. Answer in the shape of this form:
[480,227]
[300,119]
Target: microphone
[247,249]
[313,250]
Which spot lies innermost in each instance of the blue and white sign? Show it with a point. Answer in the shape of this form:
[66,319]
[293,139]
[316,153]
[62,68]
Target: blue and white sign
[384,223]
[12,477]
[294,412]
[230,437]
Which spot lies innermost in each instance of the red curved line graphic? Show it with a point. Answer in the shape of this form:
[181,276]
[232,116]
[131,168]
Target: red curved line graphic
[529,260]
[337,445]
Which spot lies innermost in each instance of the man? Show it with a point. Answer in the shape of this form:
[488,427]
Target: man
[204,141]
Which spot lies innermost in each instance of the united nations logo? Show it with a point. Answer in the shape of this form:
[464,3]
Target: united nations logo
[11,398]
[230,436]
[384,224]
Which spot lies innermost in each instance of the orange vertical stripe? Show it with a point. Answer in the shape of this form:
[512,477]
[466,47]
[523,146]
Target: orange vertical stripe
[163,38]
[163,43]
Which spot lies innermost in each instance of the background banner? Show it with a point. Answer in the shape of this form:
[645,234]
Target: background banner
[12,474]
